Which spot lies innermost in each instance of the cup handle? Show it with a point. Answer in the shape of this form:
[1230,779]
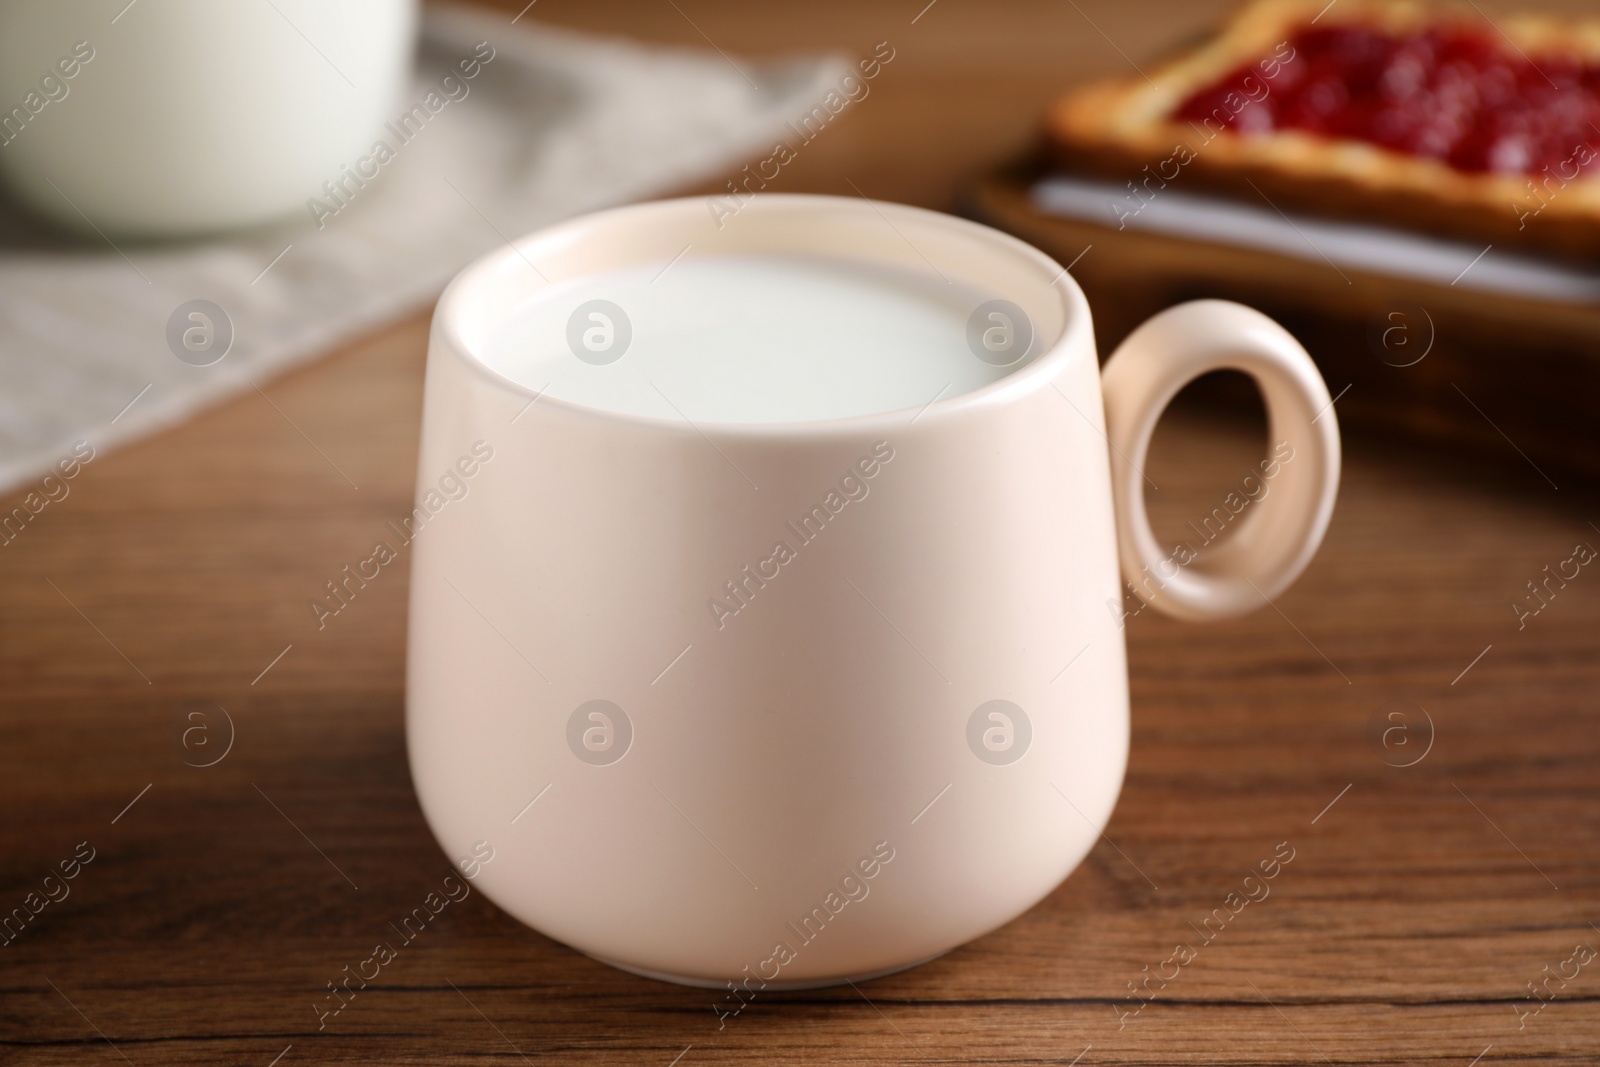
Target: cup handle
[1275,532]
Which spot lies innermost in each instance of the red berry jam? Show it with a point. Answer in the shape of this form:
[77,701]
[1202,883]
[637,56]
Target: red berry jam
[1454,94]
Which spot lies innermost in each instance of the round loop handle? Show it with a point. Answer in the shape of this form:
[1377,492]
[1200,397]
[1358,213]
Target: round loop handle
[1275,528]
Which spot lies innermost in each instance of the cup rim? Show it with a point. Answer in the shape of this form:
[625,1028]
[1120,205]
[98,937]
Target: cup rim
[1030,377]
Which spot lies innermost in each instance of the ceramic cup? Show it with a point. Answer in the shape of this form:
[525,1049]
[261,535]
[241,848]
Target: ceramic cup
[174,117]
[913,730]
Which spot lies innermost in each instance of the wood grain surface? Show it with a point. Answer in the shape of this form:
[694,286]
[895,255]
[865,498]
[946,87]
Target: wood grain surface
[168,593]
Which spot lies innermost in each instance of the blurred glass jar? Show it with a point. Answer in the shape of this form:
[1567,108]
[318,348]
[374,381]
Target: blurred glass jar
[177,117]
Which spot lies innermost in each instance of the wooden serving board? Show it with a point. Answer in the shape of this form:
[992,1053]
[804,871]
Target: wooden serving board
[1490,372]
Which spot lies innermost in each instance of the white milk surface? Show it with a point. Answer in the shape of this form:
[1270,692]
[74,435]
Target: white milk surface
[746,338]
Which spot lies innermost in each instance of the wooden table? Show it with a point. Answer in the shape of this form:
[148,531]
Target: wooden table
[1420,903]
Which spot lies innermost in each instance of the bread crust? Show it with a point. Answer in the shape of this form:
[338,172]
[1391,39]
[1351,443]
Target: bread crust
[1120,128]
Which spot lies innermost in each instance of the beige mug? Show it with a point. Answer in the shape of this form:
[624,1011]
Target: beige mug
[914,727]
